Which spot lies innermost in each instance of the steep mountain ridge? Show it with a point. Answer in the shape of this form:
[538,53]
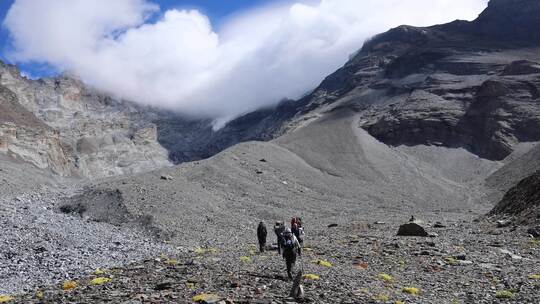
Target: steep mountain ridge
[473,85]
[446,85]
[464,84]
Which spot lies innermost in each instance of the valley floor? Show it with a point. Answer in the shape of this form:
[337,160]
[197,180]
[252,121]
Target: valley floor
[466,263]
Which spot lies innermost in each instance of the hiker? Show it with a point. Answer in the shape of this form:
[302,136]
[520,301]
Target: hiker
[294,221]
[279,228]
[298,232]
[291,249]
[261,235]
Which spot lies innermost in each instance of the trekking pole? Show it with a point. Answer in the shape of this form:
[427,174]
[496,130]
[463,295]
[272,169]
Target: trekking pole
[302,261]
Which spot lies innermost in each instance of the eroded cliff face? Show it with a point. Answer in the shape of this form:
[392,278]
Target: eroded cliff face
[487,113]
[472,85]
[61,125]
[39,147]
[23,137]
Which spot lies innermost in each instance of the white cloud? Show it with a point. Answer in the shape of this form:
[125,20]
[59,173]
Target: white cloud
[180,62]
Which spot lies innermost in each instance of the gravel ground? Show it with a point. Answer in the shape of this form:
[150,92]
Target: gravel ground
[41,246]
[466,263]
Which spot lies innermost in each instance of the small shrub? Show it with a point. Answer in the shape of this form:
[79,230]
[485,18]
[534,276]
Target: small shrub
[312,277]
[385,277]
[323,263]
[99,271]
[411,290]
[5,299]
[171,262]
[205,297]
[245,259]
[40,295]
[450,260]
[69,285]
[205,250]
[504,294]
[381,298]
[534,277]
[534,243]
[100,281]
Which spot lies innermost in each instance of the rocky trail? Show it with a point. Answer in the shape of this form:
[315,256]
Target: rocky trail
[362,262]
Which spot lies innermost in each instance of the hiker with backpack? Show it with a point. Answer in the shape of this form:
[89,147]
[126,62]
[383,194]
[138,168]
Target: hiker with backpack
[261,236]
[291,249]
[298,233]
[297,229]
[279,229]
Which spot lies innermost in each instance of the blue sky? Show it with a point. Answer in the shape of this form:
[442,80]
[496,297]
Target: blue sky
[216,10]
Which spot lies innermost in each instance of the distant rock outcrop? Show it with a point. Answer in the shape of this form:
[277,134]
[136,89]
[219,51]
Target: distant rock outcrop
[62,126]
[522,201]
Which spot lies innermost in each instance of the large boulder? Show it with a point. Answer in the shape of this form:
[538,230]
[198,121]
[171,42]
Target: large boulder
[412,229]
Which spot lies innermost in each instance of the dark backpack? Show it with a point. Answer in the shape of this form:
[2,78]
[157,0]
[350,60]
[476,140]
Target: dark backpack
[289,251]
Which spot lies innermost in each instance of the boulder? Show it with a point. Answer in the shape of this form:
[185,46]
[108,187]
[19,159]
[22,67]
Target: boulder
[439,225]
[412,229]
[534,231]
[503,223]
[164,285]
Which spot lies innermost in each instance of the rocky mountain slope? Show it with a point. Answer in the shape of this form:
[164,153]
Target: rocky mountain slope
[465,84]
[471,85]
[414,124]
[522,201]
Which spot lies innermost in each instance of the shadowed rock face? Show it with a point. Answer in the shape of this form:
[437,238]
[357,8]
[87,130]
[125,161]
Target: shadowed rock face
[464,84]
[516,20]
[522,201]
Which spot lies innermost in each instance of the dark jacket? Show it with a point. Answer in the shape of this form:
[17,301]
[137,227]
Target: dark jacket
[279,228]
[261,233]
